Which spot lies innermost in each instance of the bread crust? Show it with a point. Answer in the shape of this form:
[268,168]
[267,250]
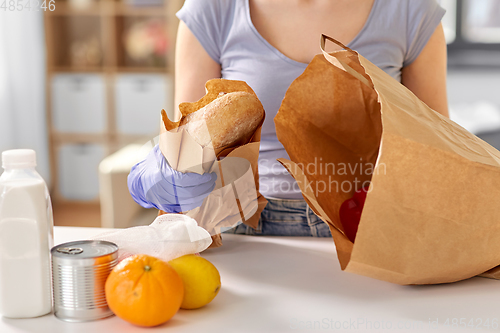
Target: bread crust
[230,119]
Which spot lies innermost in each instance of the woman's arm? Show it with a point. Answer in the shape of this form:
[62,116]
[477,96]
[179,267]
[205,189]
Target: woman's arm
[193,68]
[426,76]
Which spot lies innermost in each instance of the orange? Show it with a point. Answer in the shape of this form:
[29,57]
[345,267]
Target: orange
[144,290]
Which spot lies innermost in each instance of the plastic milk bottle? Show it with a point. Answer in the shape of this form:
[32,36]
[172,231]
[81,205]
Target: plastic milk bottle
[26,237]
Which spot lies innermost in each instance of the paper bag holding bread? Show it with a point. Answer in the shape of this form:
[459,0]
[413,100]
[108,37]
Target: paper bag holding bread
[220,133]
[432,214]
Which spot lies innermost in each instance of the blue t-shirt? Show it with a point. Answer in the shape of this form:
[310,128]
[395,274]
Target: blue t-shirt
[393,36]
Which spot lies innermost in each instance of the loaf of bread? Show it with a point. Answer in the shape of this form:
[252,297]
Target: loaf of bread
[228,120]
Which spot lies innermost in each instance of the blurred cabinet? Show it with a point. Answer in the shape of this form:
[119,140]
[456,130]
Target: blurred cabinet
[77,164]
[110,67]
[78,103]
[139,97]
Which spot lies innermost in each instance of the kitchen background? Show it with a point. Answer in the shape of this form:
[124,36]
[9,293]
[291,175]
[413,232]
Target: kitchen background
[82,82]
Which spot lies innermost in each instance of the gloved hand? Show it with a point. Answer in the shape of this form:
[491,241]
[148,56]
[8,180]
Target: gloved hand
[153,183]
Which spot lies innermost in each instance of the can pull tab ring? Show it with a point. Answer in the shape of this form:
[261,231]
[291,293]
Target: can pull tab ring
[70,250]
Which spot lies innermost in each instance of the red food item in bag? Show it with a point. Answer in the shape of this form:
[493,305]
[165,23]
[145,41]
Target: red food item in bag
[350,212]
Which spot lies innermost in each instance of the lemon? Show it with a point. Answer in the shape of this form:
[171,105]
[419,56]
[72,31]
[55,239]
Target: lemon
[201,280]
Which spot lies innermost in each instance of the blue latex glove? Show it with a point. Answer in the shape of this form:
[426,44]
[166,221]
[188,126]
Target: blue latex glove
[153,183]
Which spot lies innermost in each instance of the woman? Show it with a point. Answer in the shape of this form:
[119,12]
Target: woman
[268,43]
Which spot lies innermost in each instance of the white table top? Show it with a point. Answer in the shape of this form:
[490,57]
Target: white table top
[285,284]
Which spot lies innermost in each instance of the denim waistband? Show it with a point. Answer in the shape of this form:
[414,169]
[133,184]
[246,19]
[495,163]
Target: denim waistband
[286,217]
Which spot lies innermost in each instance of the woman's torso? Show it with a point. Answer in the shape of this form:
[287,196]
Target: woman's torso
[274,51]
[293,26]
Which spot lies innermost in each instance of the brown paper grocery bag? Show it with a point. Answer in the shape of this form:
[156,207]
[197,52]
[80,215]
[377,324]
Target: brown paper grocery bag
[433,211]
[236,196]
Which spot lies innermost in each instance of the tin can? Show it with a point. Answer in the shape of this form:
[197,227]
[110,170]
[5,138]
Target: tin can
[79,273]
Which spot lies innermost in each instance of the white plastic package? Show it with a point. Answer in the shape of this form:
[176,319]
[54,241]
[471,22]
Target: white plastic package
[168,237]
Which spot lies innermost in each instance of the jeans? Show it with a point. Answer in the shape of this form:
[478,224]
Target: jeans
[283,217]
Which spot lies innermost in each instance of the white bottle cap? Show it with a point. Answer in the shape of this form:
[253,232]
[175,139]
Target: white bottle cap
[18,158]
